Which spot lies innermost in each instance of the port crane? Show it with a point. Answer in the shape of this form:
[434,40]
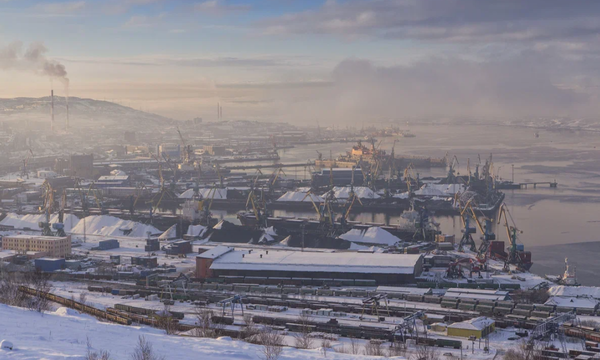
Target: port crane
[258,207]
[188,150]
[468,231]
[514,256]
[487,233]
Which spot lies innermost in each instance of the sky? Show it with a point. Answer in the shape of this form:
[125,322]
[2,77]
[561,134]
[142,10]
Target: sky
[341,61]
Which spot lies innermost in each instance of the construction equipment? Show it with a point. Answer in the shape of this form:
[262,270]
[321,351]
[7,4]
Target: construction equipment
[515,256]
[233,301]
[188,150]
[468,231]
[409,329]
[374,303]
[24,169]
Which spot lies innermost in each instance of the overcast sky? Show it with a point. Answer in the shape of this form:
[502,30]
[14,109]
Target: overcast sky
[309,60]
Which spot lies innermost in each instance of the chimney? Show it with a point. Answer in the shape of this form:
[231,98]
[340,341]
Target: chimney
[52,110]
[218,111]
[67,124]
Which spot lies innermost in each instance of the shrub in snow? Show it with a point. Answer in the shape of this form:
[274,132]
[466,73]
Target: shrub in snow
[7,345]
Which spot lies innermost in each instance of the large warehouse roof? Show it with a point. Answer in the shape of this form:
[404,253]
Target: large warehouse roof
[349,262]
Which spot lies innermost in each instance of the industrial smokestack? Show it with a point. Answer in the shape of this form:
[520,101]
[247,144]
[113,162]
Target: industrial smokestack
[67,124]
[52,110]
[218,111]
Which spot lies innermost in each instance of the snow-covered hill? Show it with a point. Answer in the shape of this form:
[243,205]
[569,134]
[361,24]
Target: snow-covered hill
[81,111]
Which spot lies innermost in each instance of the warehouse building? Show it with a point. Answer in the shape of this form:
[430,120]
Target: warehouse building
[378,267]
[52,246]
[478,327]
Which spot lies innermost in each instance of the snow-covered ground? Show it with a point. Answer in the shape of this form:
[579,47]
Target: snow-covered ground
[63,334]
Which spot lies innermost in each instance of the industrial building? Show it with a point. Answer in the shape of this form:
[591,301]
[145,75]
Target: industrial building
[107,245]
[49,265]
[54,246]
[82,166]
[378,267]
[112,181]
[478,327]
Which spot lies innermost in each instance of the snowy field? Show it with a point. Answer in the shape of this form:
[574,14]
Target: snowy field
[63,334]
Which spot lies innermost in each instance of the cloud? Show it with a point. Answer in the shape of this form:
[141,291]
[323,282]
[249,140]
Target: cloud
[464,21]
[62,8]
[142,21]
[115,7]
[220,61]
[219,7]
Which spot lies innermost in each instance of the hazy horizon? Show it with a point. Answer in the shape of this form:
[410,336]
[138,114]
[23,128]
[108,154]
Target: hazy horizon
[333,62]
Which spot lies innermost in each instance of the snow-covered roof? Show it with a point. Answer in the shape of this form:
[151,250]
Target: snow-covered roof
[476,291]
[113,178]
[215,252]
[575,291]
[572,302]
[327,262]
[479,323]
[362,192]
[300,196]
[206,193]
[403,290]
[372,235]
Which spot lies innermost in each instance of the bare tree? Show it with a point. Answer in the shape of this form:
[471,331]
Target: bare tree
[374,348]
[397,349]
[83,298]
[206,327]
[525,351]
[353,348]
[325,346]
[424,352]
[302,339]
[144,351]
[165,320]
[95,355]
[39,282]
[272,343]
[250,328]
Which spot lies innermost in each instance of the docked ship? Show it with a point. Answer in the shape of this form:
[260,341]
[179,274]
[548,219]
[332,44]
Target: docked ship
[371,156]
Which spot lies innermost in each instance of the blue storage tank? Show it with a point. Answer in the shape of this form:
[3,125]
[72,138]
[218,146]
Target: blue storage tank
[520,247]
[49,265]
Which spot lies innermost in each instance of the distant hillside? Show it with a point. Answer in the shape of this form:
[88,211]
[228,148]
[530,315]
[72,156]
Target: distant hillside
[81,112]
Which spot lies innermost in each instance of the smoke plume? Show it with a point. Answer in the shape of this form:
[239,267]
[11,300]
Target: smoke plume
[33,59]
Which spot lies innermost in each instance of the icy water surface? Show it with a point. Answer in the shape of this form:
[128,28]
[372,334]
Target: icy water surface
[551,219]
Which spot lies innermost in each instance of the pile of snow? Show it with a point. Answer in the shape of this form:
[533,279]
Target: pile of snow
[170,234]
[206,193]
[65,311]
[111,226]
[196,230]
[372,235]
[440,189]
[298,196]
[6,345]
[575,291]
[363,192]
[31,221]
